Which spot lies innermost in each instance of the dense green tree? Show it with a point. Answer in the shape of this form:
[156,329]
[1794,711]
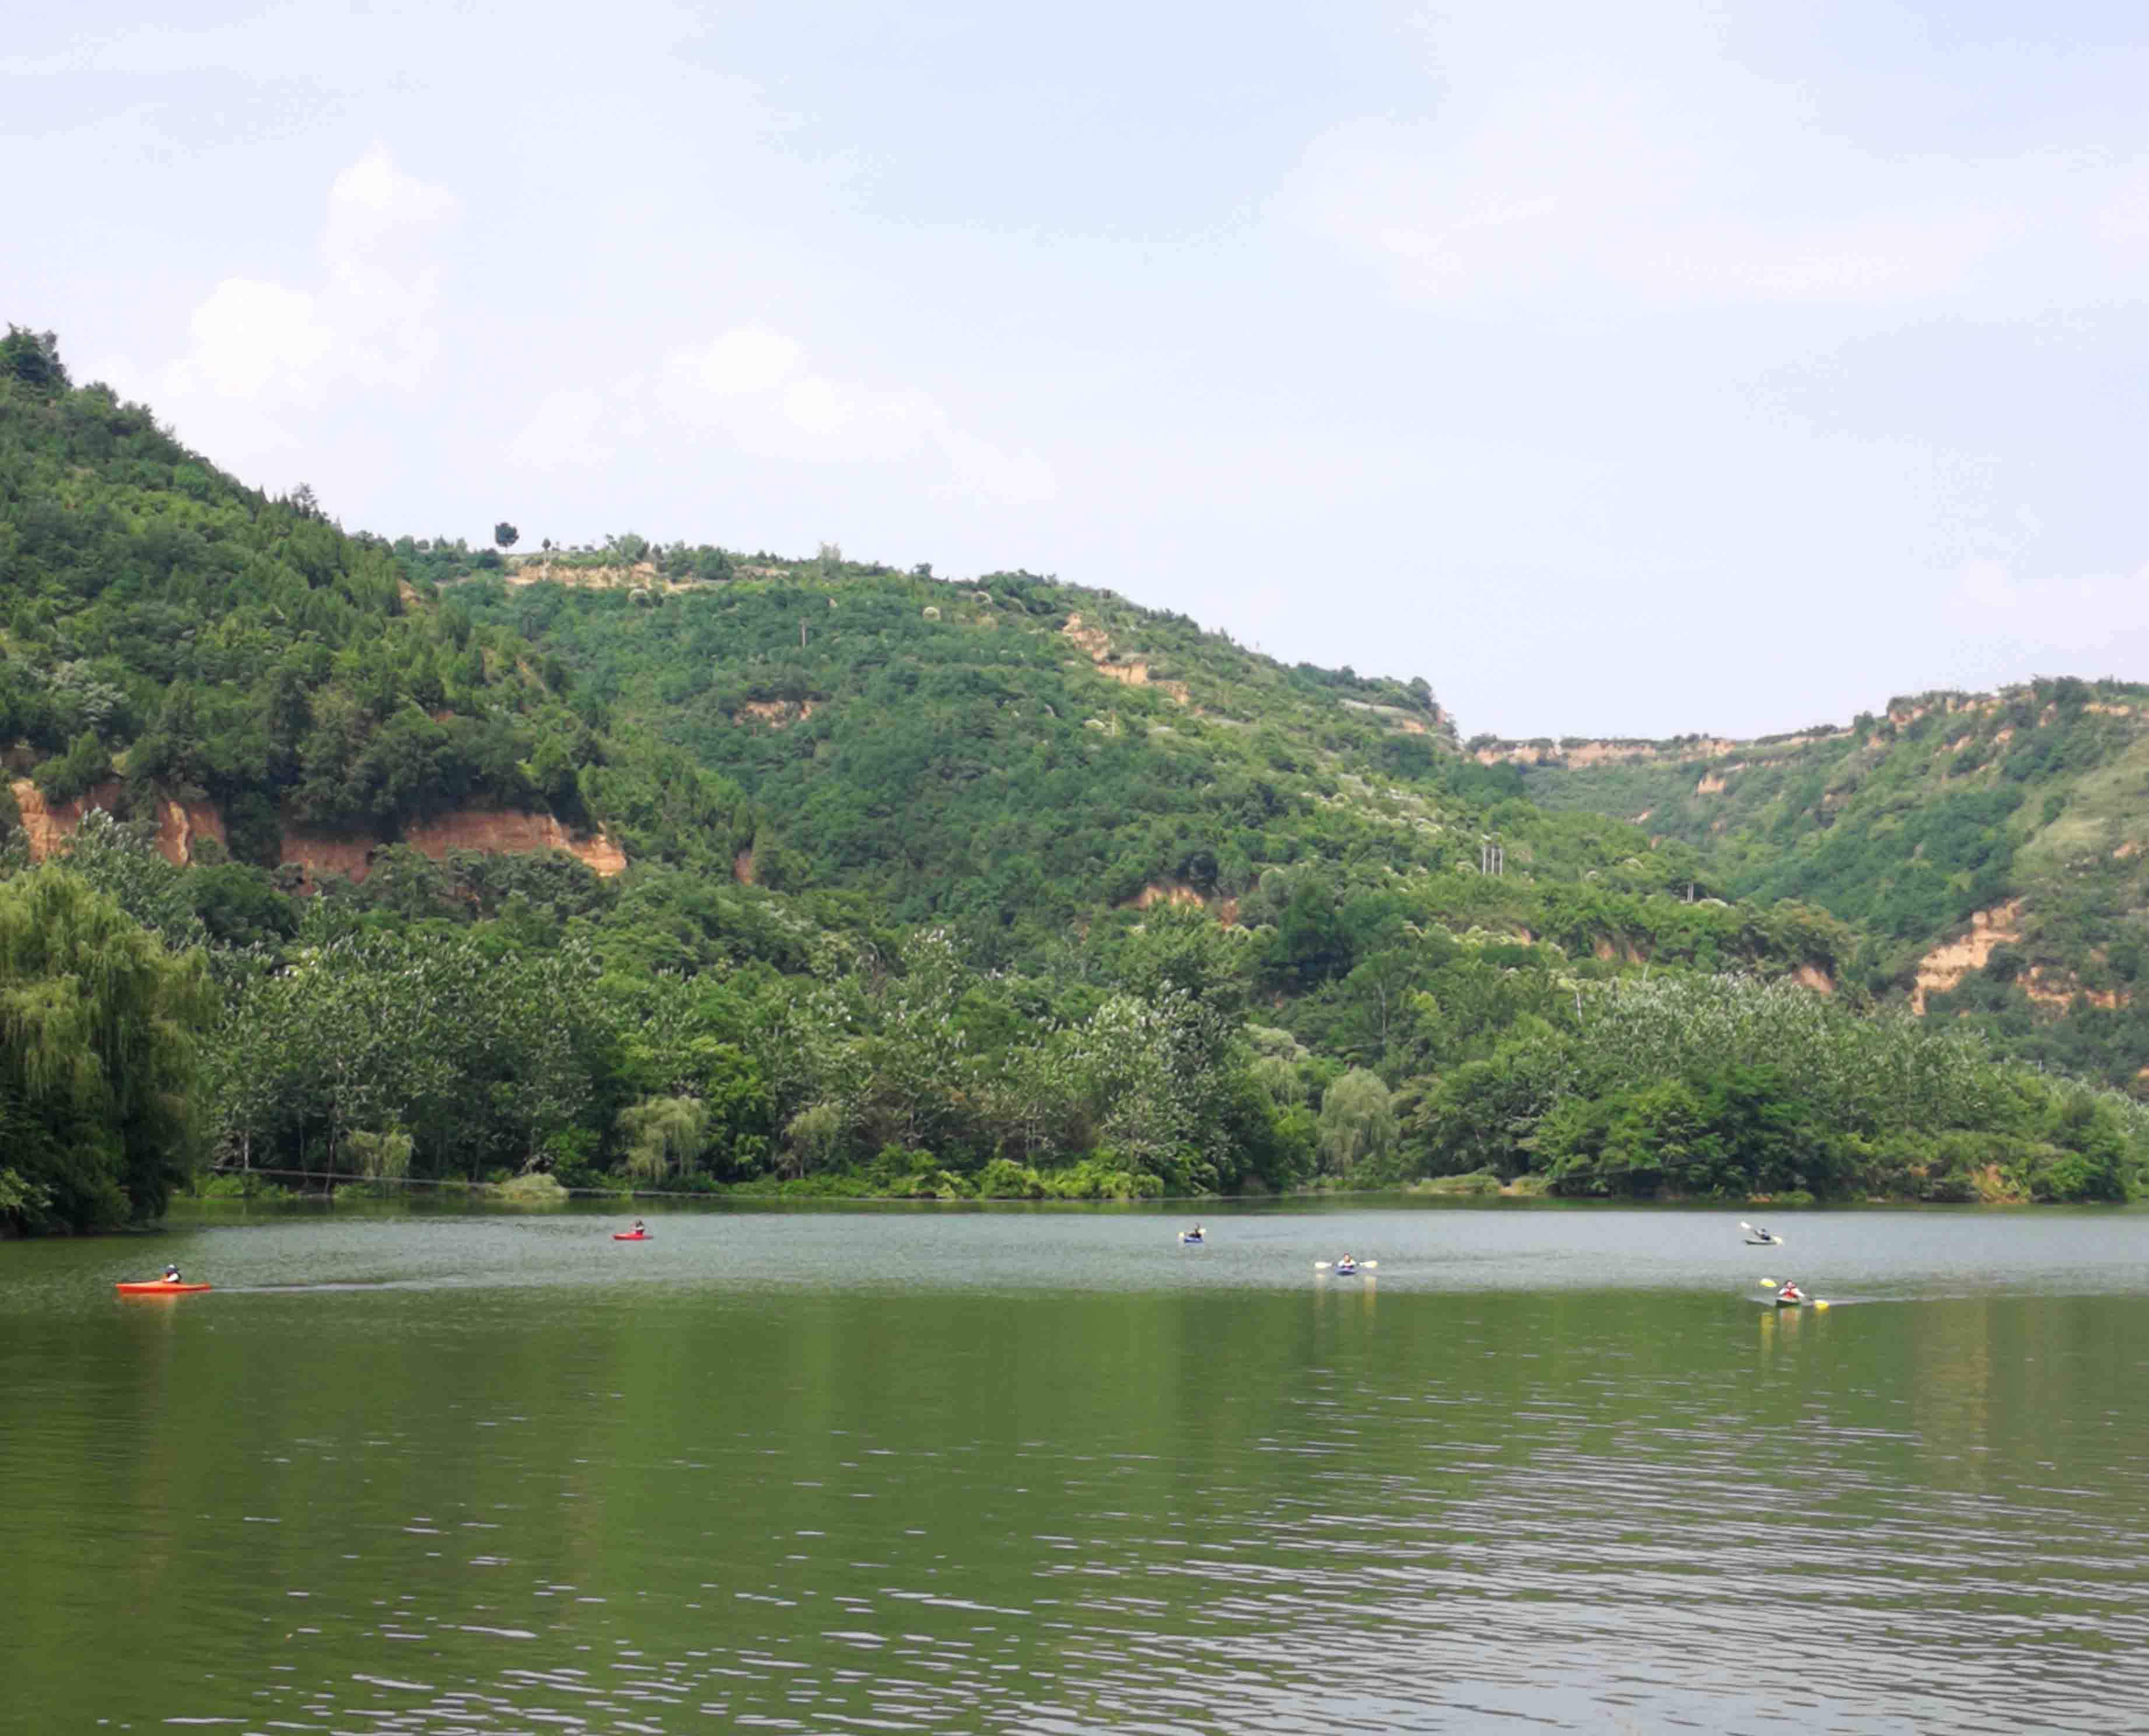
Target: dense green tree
[1358,1126]
[100,1029]
[32,359]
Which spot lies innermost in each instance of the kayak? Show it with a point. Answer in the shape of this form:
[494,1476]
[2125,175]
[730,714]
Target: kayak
[1192,1240]
[158,1287]
[1772,1241]
[1347,1271]
[630,1236]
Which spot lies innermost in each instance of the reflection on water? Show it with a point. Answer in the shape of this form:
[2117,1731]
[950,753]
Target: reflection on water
[1051,1472]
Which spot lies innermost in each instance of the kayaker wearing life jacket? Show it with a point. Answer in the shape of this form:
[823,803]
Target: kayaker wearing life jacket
[638,1230]
[172,1275]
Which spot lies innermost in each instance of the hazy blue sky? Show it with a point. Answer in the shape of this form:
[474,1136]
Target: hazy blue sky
[1627,368]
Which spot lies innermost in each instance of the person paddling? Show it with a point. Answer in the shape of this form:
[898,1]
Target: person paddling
[172,1274]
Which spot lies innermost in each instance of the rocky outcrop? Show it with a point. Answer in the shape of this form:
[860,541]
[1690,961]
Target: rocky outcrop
[181,824]
[615,575]
[2049,987]
[47,828]
[1131,671]
[1600,753]
[317,854]
[1947,964]
[509,831]
[1177,891]
[776,713]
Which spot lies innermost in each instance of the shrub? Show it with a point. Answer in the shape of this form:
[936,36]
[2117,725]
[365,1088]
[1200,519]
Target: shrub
[1003,1179]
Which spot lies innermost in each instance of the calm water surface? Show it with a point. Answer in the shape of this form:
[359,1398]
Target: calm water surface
[1048,1472]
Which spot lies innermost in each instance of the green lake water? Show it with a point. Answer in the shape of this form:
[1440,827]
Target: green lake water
[1046,1471]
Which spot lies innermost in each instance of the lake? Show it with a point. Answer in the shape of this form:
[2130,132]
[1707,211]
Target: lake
[1044,1470]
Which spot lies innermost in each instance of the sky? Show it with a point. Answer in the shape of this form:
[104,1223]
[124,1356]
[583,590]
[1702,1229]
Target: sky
[1621,370]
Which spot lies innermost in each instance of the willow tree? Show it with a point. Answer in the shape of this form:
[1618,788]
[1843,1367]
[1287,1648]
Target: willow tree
[1357,1127]
[99,1025]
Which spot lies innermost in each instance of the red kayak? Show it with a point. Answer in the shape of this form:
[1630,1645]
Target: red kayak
[158,1287]
[630,1236]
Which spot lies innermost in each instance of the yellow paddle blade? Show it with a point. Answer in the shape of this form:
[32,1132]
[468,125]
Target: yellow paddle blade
[1770,1282]
[1820,1305]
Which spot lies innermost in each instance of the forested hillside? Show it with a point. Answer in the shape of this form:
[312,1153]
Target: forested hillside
[996,887]
[166,627]
[1991,850]
[1010,755]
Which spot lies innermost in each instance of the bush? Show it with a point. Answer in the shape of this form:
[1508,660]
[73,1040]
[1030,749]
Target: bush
[240,1185]
[1003,1179]
[531,1190]
[1101,1175]
[1476,1181]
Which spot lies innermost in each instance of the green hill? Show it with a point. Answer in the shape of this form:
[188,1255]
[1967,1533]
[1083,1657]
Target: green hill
[1013,754]
[170,628]
[1992,850]
[673,866]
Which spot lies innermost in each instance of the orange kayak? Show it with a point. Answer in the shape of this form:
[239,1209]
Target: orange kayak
[158,1287]
[630,1236]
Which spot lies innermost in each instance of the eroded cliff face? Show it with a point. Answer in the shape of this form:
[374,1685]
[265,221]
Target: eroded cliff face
[1177,891]
[1599,754]
[1941,970]
[502,831]
[510,832]
[1096,645]
[47,826]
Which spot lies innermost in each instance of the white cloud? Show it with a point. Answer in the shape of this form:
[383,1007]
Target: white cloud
[745,359]
[568,433]
[246,336]
[261,351]
[1579,193]
[754,391]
